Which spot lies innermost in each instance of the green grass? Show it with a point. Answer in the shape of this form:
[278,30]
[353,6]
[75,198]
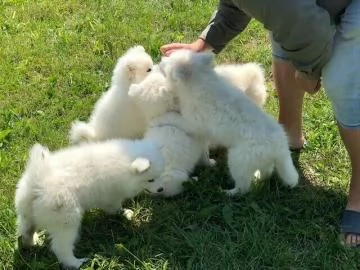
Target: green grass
[56,60]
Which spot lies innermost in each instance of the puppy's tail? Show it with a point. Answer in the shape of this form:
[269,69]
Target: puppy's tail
[256,89]
[24,195]
[37,166]
[81,131]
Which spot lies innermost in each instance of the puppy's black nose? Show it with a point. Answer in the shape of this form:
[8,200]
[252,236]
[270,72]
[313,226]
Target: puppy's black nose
[160,189]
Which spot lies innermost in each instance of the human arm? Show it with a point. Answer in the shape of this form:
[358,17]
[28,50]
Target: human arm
[225,23]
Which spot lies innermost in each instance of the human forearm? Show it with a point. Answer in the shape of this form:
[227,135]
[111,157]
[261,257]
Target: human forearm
[226,23]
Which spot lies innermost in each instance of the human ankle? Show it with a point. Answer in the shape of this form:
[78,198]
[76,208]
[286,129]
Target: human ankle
[295,136]
[353,204]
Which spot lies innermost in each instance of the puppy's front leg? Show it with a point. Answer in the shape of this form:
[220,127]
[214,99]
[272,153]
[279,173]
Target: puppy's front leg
[206,160]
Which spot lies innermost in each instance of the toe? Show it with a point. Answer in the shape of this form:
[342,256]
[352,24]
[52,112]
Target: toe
[352,240]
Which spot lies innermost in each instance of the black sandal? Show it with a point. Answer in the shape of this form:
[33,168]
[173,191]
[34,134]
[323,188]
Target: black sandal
[350,224]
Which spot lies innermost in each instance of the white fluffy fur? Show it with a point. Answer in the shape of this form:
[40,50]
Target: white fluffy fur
[247,77]
[181,149]
[115,115]
[152,96]
[213,108]
[56,188]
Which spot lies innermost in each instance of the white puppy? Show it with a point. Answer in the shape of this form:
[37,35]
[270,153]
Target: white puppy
[114,115]
[181,149]
[255,141]
[247,77]
[57,188]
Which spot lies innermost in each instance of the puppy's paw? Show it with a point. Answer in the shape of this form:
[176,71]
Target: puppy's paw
[29,240]
[231,192]
[38,240]
[212,162]
[75,263]
[292,180]
[195,178]
[293,183]
[128,214]
[84,260]
[257,174]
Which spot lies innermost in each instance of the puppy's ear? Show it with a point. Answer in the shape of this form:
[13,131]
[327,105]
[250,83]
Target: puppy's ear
[131,71]
[137,48]
[131,67]
[162,65]
[140,165]
[182,71]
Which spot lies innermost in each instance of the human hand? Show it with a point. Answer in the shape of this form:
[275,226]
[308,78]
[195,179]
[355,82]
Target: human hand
[197,46]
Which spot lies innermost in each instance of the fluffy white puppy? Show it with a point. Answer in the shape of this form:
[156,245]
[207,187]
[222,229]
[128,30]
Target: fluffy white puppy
[209,103]
[152,96]
[248,77]
[57,188]
[115,115]
[181,149]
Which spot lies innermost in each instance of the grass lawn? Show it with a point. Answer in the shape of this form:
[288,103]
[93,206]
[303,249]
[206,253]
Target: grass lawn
[56,60]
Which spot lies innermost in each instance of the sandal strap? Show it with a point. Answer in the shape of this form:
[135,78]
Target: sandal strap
[350,222]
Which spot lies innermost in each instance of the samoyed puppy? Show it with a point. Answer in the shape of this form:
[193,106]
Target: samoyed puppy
[212,107]
[248,77]
[115,115]
[181,149]
[58,187]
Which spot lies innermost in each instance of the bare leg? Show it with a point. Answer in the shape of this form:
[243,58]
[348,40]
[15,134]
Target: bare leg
[290,101]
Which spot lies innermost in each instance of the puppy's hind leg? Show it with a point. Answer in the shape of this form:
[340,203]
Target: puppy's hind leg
[63,240]
[205,157]
[241,170]
[63,230]
[286,169]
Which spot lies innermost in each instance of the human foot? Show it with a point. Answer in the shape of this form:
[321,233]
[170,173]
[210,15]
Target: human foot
[350,228]
[296,138]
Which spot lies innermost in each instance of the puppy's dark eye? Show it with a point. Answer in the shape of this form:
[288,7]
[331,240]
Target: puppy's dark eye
[149,69]
[151,180]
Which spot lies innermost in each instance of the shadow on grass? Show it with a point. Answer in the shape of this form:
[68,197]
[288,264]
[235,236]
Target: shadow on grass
[272,227]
